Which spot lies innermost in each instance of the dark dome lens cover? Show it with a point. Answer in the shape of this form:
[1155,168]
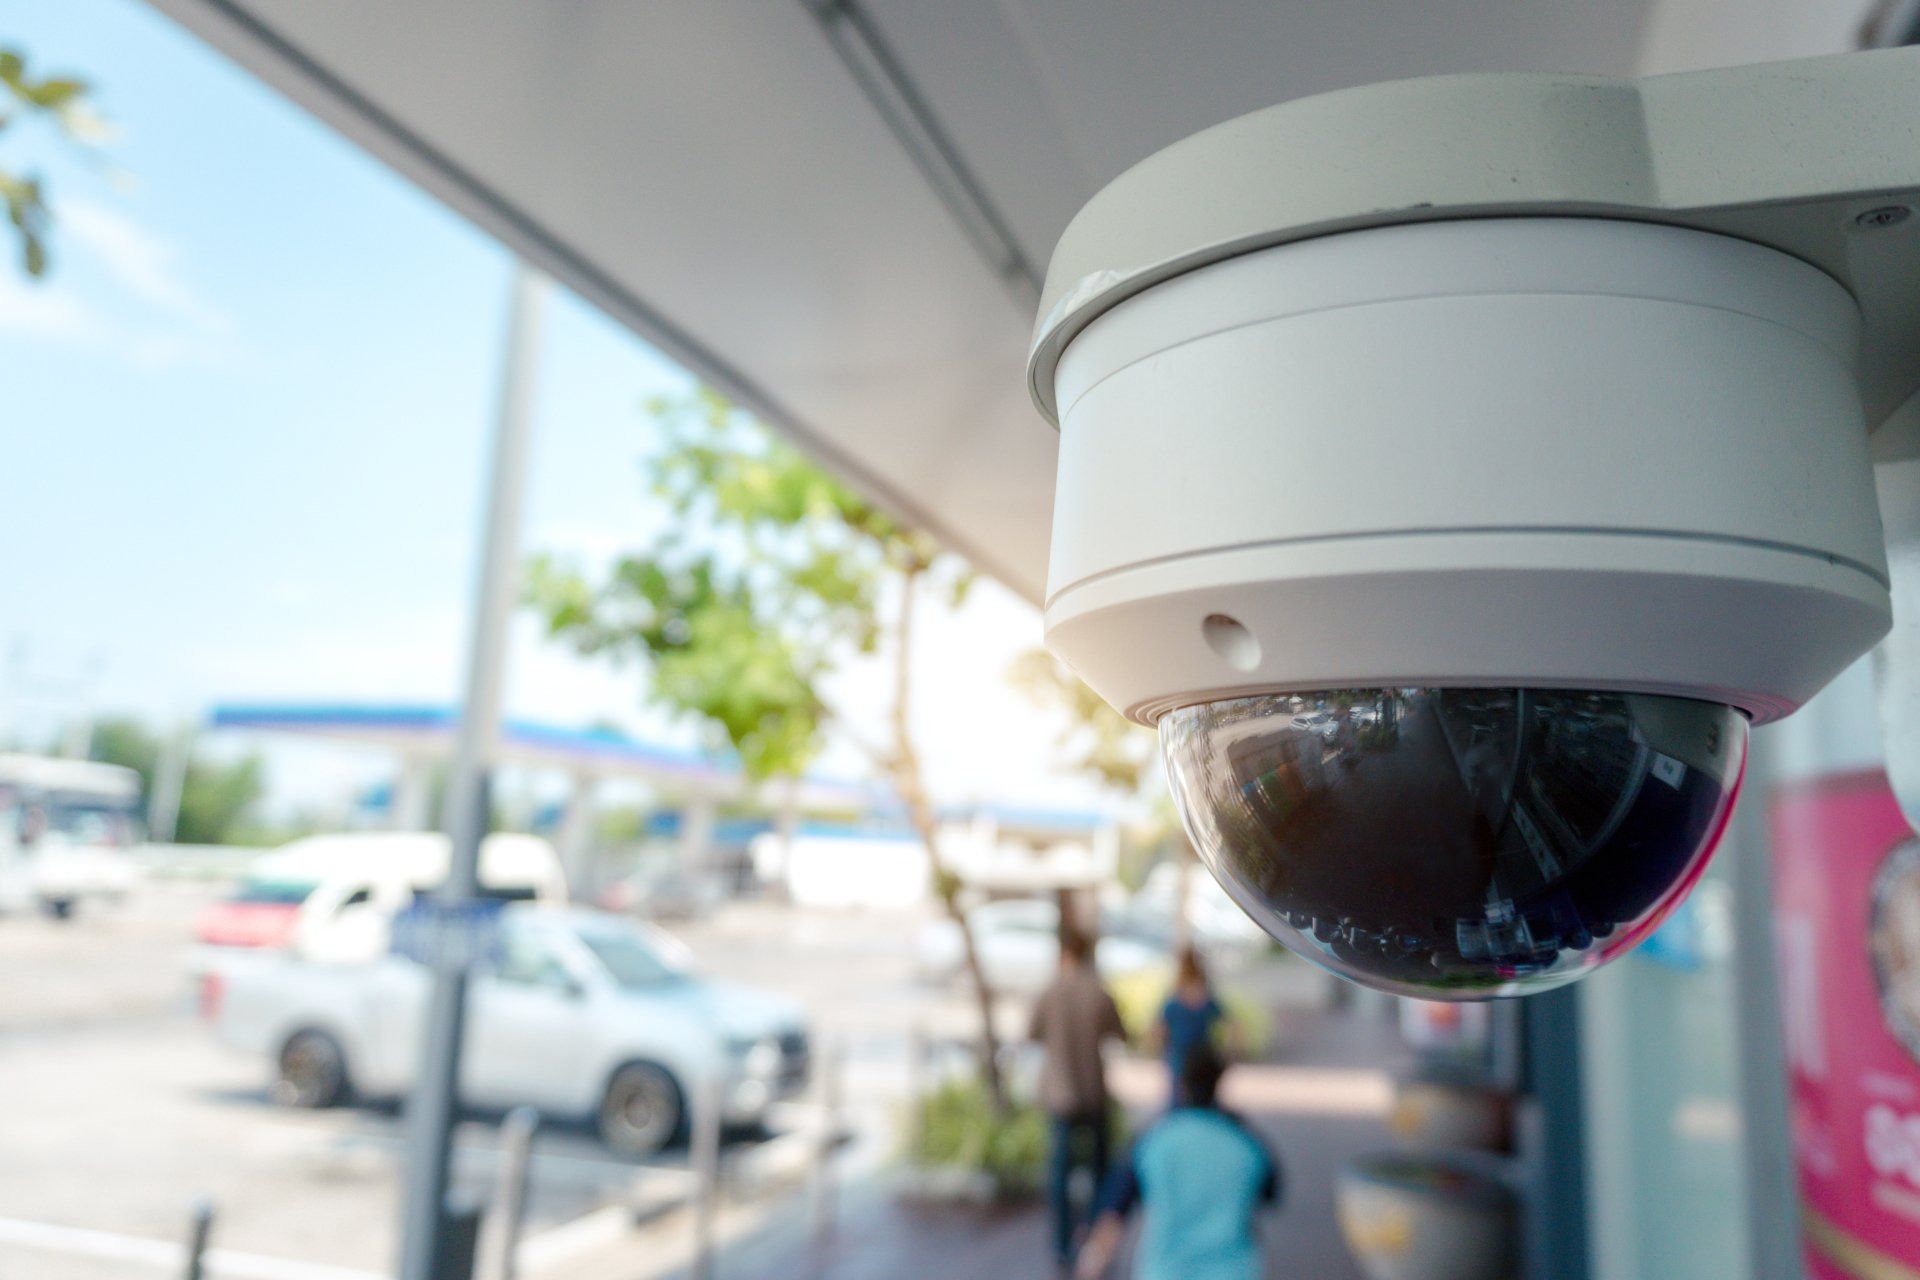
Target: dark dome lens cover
[1456,843]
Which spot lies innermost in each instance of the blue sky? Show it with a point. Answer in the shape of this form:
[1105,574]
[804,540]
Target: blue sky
[243,425]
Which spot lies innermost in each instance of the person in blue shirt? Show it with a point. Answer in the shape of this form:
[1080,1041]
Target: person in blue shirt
[1202,1178]
[1190,1017]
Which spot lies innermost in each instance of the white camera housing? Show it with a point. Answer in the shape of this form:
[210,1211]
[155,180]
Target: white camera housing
[1545,452]
[1512,384]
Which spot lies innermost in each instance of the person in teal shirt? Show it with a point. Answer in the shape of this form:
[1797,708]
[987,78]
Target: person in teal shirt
[1191,1016]
[1202,1178]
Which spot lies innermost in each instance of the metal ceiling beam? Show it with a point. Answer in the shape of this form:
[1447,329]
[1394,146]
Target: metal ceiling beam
[870,58]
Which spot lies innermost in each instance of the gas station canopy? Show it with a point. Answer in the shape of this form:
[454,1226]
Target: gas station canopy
[412,730]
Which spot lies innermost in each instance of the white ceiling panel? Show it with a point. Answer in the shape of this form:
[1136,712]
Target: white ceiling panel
[1053,98]
[725,177]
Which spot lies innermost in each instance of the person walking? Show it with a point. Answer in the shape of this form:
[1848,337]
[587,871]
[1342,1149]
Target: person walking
[1203,1178]
[1190,1017]
[1072,1021]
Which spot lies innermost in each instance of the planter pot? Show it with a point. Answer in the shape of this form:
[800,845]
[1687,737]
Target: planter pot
[1427,1217]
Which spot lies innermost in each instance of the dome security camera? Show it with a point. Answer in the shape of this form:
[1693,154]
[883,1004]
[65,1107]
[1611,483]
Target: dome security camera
[1453,469]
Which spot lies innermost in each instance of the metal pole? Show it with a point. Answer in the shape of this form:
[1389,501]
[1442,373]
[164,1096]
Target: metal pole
[79,737]
[575,835]
[411,807]
[1183,860]
[825,1201]
[706,1173]
[786,824]
[1553,1146]
[509,1209]
[1772,1188]
[425,1240]
[197,1239]
[10,691]
[696,833]
[169,782]
[460,1239]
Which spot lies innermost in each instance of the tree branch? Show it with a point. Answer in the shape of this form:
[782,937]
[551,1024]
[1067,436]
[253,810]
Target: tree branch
[877,756]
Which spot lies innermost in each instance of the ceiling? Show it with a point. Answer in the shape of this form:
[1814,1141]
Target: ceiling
[838,212]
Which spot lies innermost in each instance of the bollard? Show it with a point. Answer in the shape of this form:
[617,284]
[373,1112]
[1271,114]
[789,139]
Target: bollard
[197,1233]
[705,1158]
[459,1247]
[832,1063]
[500,1240]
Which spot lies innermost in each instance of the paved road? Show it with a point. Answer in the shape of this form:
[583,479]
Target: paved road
[118,1111]
[1324,1103]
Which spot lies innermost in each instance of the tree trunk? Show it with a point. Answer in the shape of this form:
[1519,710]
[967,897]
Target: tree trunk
[907,781]
[1183,897]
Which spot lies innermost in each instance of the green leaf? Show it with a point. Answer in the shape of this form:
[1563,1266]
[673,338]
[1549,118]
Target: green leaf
[55,94]
[63,99]
[769,575]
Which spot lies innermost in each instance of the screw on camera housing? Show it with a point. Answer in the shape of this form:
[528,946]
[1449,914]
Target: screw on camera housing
[1887,215]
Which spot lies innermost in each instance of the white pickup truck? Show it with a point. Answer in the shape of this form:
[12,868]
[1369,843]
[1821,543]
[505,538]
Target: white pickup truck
[580,1015]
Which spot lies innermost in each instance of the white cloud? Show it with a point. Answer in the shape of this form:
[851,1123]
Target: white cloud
[139,262]
[44,310]
[138,306]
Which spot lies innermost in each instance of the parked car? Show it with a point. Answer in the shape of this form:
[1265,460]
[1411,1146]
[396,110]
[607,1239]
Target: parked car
[580,1015]
[1323,723]
[67,831]
[1019,943]
[334,897]
[665,893]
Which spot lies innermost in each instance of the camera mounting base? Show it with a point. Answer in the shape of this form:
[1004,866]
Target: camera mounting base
[1506,452]
[1817,158]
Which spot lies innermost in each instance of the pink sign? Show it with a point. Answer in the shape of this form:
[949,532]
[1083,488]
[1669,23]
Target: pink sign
[1847,916]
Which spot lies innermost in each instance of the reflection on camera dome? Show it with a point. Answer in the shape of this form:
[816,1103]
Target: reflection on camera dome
[1455,843]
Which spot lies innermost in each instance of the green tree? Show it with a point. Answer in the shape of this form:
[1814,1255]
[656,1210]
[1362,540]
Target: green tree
[61,101]
[127,743]
[217,800]
[768,578]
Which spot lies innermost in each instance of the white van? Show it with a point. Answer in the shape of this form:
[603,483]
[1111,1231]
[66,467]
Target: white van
[67,831]
[333,898]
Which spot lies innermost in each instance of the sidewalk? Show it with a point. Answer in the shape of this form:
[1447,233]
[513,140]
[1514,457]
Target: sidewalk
[1323,1102]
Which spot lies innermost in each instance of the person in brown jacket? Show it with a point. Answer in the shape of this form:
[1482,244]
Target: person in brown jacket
[1072,1021]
